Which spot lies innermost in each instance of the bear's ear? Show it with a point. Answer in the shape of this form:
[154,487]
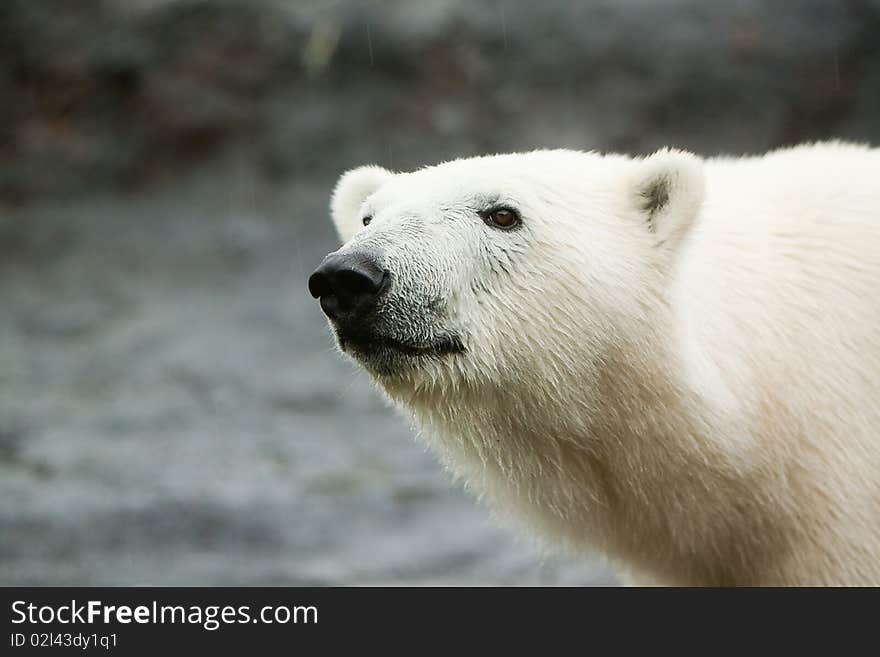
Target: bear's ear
[667,189]
[350,193]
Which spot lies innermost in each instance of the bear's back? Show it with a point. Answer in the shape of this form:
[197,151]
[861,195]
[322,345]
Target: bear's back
[777,295]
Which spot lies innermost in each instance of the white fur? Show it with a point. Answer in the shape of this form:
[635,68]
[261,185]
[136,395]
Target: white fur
[673,360]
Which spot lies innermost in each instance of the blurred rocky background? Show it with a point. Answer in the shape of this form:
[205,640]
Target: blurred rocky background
[171,407]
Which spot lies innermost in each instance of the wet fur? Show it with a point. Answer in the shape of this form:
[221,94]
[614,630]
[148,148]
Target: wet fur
[676,361]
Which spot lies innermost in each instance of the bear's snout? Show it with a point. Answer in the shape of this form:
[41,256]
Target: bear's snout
[348,284]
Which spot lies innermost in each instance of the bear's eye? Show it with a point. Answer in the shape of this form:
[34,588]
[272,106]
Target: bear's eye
[367,220]
[501,217]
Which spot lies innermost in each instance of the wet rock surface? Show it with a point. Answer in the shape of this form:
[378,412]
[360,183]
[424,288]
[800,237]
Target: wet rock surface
[124,94]
[171,407]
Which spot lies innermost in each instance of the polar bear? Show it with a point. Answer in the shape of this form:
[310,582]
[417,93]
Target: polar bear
[672,360]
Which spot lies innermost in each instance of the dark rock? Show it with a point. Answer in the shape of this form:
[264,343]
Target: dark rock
[106,94]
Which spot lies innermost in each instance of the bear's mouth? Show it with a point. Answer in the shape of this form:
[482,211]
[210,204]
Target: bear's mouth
[371,344]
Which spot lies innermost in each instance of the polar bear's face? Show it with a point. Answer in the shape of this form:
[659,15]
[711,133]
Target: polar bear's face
[480,270]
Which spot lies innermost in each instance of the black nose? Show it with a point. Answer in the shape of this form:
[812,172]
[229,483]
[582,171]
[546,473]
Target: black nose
[347,283]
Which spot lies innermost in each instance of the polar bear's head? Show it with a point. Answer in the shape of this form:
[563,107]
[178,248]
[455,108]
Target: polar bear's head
[491,270]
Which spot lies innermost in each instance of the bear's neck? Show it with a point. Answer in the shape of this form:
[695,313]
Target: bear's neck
[634,468]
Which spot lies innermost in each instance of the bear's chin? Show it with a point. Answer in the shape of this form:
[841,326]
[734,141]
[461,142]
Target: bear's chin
[386,356]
